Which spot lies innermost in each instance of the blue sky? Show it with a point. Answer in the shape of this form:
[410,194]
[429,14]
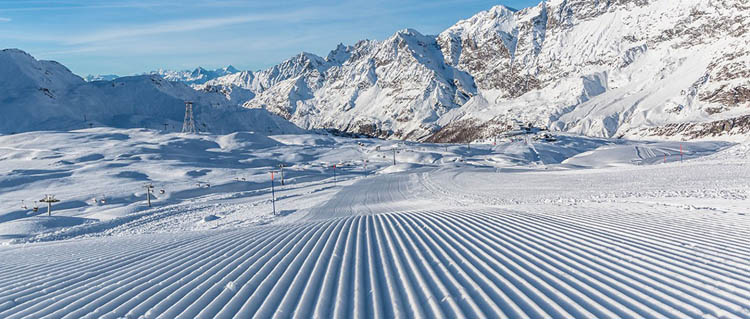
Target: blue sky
[133,36]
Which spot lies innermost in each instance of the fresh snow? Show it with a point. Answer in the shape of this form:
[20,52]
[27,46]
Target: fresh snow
[575,228]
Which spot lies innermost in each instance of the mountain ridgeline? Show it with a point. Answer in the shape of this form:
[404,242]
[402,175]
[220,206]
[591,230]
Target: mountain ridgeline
[617,68]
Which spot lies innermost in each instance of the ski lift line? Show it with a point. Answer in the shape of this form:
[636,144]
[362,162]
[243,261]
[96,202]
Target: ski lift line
[102,198]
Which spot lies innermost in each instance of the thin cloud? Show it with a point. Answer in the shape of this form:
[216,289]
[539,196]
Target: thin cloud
[5,19]
[158,46]
[73,5]
[126,32]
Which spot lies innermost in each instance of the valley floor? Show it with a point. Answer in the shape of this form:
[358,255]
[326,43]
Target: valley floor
[579,228]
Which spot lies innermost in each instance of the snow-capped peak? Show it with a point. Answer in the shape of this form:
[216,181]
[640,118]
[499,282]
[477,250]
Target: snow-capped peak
[501,10]
[498,19]
[407,32]
[340,54]
[230,69]
[19,70]
[199,75]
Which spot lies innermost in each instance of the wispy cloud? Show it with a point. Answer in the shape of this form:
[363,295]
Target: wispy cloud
[75,5]
[126,36]
[174,26]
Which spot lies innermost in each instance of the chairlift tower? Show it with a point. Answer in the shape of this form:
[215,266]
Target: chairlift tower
[49,199]
[188,126]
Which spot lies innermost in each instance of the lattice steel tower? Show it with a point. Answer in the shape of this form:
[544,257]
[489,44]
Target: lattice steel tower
[188,126]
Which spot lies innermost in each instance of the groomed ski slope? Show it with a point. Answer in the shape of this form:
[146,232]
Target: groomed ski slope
[428,264]
[432,263]
[450,240]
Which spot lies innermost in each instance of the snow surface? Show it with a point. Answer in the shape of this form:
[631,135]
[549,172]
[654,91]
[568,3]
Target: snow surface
[575,228]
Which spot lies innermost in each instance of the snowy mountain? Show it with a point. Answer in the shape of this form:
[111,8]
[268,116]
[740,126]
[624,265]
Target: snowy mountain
[604,68]
[623,68]
[636,69]
[197,76]
[43,95]
[100,77]
[190,77]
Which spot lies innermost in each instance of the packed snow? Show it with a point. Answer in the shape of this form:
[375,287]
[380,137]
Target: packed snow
[574,227]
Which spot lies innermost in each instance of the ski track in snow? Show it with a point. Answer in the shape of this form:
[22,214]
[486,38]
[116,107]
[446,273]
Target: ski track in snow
[369,253]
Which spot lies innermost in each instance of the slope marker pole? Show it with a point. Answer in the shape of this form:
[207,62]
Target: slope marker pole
[680,153]
[273,195]
[149,187]
[334,174]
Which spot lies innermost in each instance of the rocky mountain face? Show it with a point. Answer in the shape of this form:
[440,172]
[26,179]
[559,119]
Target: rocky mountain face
[604,68]
[45,95]
[614,68]
[395,88]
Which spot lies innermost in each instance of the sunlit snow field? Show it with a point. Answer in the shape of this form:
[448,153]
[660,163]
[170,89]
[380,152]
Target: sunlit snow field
[574,228]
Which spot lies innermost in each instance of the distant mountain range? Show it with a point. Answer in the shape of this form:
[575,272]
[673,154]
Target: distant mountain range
[197,76]
[624,68]
[100,77]
[45,95]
